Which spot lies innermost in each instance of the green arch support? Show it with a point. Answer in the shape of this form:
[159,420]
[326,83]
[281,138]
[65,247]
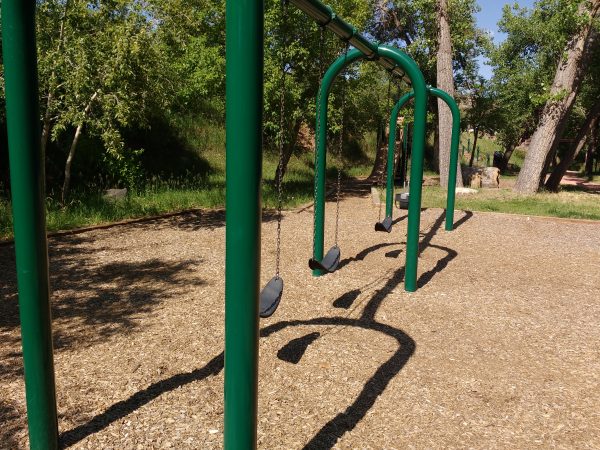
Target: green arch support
[409,66]
[447,98]
[321,148]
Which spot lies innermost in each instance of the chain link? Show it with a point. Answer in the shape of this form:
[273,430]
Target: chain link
[340,154]
[318,130]
[281,143]
[380,182]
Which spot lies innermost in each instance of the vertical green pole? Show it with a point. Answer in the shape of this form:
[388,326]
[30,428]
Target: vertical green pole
[389,200]
[389,205]
[27,182]
[450,202]
[244,111]
[321,150]
[454,143]
[411,69]
[405,153]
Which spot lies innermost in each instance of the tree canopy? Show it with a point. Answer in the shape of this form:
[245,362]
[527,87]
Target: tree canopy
[110,69]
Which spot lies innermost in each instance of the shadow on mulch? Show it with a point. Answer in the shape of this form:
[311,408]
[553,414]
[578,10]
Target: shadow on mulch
[293,351]
[364,253]
[9,417]
[326,437]
[96,301]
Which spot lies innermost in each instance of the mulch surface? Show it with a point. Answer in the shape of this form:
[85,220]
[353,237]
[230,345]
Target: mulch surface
[499,348]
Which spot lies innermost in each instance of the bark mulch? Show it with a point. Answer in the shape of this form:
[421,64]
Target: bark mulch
[499,348]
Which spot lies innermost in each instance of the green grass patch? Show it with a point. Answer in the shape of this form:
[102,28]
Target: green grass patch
[160,196]
[573,205]
[487,147]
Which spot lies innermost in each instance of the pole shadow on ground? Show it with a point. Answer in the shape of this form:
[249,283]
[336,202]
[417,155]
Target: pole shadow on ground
[293,351]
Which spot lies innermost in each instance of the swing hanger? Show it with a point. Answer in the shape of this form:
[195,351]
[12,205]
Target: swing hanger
[326,17]
[270,296]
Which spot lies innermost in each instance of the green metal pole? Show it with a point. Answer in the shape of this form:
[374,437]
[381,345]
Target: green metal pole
[321,150]
[27,182]
[389,201]
[244,112]
[418,152]
[455,140]
[404,153]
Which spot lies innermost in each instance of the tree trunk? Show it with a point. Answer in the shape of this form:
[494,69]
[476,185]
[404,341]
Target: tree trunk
[78,131]
[472,157]
[567,82]
[67,182]
[589,156]
[559,171]
[435,160]
[548,165]
[506,158]
[398,149]
[445,81]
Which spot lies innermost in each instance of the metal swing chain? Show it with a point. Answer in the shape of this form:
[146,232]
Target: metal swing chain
[284,10]
[396,160]
[322,43]
[340,155]
[380,182]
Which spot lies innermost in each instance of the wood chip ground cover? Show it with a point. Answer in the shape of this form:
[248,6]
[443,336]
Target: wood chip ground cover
[499,348]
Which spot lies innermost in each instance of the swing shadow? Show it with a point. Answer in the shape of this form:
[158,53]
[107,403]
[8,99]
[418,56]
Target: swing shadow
[364,253]
[346,300]
[373,388]
[292,352]
[463,219]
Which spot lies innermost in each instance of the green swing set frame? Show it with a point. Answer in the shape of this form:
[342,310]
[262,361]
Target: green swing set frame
[244,105]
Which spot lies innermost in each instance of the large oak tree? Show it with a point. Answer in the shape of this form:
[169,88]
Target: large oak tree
[560,97]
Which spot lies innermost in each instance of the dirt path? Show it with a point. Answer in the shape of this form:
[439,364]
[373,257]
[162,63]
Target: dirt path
[572,178]
[500,348]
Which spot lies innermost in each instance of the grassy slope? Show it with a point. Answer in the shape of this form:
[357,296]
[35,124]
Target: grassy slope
[487,147]
[159,196]
[162,196]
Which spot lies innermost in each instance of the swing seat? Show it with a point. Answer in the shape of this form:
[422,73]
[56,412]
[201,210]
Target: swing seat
[329,263]
[270,297]
[386,225]
[402,200]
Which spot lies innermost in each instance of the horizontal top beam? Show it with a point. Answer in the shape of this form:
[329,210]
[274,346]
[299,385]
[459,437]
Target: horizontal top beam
[326,17]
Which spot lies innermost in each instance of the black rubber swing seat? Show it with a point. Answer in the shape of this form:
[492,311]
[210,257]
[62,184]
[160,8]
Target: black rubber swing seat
[270,297]
[402,200]
[386,225]
[329,263]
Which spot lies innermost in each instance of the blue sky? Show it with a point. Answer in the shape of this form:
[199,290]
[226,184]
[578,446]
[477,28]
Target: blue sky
[488,17]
